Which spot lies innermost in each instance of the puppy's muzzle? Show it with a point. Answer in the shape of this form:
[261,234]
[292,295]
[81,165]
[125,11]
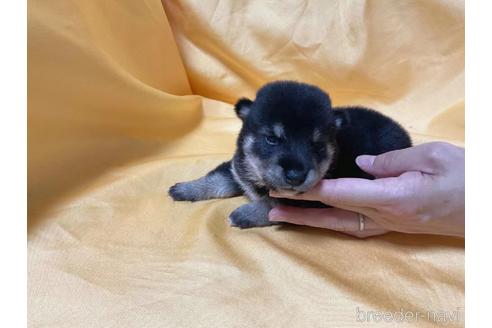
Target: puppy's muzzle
[295,177]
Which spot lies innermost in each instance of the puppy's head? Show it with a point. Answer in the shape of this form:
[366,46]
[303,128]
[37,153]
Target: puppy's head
[288,135]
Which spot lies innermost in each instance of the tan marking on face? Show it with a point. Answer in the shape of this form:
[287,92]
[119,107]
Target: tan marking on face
[278,130]
[248,143]
[316,135]
[253,163]
[248,190]
[325,165]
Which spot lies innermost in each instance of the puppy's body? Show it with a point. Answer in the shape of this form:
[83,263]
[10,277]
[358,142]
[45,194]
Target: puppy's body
[292,138]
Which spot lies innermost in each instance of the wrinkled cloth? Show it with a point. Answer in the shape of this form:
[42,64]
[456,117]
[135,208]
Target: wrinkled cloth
[126,98]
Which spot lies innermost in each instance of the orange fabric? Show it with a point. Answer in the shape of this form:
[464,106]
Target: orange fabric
[128,97]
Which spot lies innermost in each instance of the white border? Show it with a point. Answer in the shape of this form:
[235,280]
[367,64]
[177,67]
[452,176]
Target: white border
[478,162]
[478,148]
[13,247]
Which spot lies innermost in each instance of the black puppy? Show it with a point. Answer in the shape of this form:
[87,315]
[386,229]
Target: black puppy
[292,138]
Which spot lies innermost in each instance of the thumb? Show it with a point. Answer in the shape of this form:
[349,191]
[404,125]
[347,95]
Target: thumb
[394,163]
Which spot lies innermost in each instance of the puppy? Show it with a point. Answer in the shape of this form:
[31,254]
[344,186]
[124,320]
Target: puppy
[291,138]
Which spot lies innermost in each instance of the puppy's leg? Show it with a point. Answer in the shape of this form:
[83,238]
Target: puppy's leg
[252,215]
[218,183]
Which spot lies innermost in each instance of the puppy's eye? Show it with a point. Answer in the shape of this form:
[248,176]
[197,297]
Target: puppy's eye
[272,140]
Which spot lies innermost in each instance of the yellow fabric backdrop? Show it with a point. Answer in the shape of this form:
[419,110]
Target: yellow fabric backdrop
[128,97]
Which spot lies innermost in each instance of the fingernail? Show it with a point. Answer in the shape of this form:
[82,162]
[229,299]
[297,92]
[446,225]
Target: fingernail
[365,160]
[274,215]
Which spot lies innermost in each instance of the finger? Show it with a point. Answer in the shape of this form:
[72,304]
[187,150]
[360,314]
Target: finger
[392,164]
[349,191]
[328,218]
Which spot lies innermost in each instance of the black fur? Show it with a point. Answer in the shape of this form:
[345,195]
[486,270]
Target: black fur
[243,107]
[369,133]
[278,149]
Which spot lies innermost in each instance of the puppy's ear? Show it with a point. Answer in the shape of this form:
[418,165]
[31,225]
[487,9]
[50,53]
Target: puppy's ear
[342,118]
[243,107]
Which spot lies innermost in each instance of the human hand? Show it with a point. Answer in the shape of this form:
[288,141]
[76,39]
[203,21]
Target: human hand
[417,190]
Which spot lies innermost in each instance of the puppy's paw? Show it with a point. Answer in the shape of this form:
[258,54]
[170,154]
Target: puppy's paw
[236,219]
[247,216]
[182,192]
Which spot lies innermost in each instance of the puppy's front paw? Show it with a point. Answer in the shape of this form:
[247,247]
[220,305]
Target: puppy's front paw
[239,220]
[182,192]
[249,216]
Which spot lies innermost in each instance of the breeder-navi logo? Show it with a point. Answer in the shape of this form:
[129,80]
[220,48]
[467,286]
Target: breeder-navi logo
[442,317]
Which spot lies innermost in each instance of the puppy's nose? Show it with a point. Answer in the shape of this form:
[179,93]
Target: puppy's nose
[295,177]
